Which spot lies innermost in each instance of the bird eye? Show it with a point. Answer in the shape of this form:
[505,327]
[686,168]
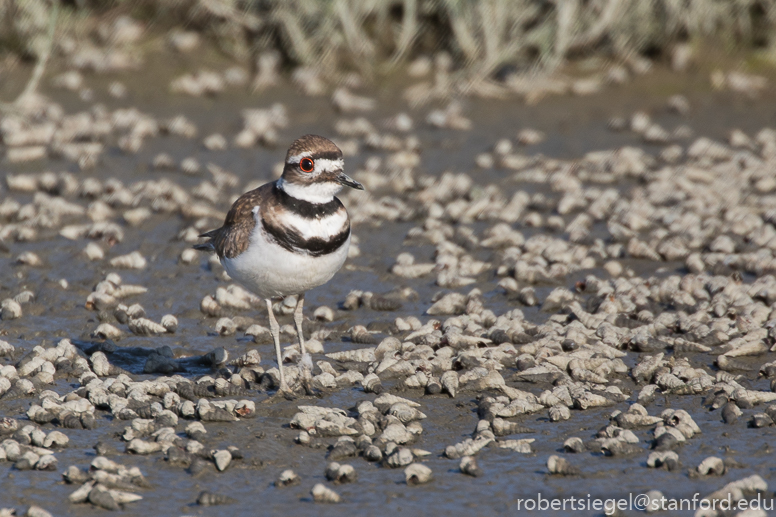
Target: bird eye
[306,164]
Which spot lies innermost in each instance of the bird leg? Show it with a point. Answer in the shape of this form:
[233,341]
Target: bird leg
[275,329]
[306,361]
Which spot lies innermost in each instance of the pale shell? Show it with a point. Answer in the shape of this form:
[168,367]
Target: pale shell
[322,494]
[145,327]
[417,474]
[132,260]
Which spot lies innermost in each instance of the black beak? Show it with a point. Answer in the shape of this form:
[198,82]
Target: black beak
[346,180]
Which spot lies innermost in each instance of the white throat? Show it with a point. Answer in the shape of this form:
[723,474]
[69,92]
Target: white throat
[317,193]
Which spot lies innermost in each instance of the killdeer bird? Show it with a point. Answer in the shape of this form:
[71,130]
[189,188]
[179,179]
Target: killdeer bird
[290,235]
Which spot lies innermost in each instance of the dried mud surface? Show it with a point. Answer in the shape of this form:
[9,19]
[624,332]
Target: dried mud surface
[574,127]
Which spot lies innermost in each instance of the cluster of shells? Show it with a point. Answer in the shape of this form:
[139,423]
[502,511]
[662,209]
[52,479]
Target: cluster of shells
[622,277]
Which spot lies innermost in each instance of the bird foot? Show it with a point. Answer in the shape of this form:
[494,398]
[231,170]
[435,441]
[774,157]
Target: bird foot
[309,389]
[284,392]
[306,378]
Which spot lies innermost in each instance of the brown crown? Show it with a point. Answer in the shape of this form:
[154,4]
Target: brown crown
[317,146]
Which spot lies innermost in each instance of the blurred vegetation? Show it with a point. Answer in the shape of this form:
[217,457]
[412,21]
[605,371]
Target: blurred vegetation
[371,36]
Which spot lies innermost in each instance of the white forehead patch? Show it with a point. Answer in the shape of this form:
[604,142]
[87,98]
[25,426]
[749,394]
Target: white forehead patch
[326,165]
[297,157]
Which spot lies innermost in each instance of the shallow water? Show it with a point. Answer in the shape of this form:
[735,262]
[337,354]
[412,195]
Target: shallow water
[574,127]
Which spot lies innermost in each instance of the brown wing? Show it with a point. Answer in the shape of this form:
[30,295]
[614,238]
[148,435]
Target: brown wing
[233,237]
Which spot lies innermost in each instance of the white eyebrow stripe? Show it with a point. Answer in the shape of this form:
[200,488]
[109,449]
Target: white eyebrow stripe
[297,157]
[321,164]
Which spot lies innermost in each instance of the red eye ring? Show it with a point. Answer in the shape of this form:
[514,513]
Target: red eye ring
[306,165]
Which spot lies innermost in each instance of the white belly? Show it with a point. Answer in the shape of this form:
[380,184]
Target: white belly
[268,270]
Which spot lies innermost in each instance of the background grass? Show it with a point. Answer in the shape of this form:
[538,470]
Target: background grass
[374,36]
